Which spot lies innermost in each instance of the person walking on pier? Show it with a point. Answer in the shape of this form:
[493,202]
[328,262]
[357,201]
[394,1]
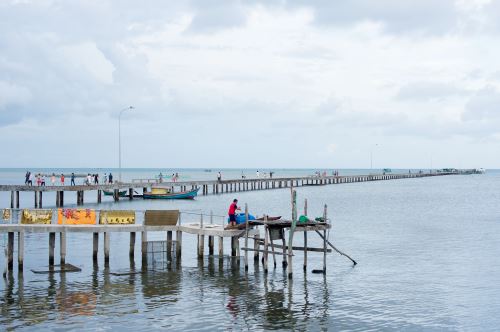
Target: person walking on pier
[53,179]
[27,177]
[30,179]
[110,178]
[219,176]
[72,179]
[42,181]
[96,178]
[62,179]
[232,212]
[105,179]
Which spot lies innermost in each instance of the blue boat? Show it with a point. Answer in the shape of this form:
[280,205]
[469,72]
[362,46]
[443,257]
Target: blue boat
[165,193]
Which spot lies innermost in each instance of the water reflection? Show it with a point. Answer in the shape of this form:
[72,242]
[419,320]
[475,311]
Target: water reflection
[218,292]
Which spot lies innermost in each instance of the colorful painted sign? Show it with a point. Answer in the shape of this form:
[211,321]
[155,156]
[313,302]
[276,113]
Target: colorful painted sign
[117,217]
[36,217]
[76,217]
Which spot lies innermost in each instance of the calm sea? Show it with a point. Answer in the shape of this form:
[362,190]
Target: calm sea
[427,252]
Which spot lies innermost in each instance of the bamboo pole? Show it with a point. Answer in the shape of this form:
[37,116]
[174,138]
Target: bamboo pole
[305,238]
[246,236]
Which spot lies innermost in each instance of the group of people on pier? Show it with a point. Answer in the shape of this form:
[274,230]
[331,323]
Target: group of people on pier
[39,179]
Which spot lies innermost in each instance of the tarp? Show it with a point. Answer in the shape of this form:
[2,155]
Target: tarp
[31,217]
[76,217]
[240,218]
[117,217]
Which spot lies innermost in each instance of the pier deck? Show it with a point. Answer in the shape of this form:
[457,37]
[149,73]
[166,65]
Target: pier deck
[207,186]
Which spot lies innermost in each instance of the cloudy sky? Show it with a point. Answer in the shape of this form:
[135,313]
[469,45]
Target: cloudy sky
[284,83]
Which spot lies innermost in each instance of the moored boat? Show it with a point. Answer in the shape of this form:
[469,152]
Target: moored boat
[121,193]
[165,193]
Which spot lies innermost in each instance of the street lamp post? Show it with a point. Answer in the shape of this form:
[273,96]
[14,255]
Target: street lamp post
[120,141]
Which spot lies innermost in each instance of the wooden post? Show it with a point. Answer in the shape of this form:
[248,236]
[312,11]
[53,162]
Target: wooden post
[131,193]
[233,246]
[305,238]
[256,247]
[36,199]
[144,247]
[178,245]
[17,199]
[221,247]
[12,199]
[95,247]
[284,262]
[116,194]
[61,199]
[292,231]
[131,250]
[201,245]
[246,236]
[211,245]
[169,245]
[10,251]
[106,248]
[58,199]
[99,196]
[40,200]
[324,240]
[81,197]
[62,247]
[20,251]
[265,256]
[52,244]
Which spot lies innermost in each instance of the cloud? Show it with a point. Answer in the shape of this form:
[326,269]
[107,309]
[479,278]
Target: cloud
[428,91]
[484,106]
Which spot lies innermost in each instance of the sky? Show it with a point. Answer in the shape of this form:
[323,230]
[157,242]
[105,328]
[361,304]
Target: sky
[244,84]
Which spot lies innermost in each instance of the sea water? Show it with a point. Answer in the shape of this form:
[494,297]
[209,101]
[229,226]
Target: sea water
[427,252]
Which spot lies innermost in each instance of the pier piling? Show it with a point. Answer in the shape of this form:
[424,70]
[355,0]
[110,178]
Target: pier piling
[62,246]
[20,251]
[95,247]
[52,244]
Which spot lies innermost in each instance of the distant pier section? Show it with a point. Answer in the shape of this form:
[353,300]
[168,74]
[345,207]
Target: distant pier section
[137,187]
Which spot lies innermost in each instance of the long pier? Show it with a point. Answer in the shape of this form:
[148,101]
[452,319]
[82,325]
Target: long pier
[207,186]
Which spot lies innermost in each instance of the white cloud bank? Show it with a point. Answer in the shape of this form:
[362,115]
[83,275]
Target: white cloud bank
[250,83]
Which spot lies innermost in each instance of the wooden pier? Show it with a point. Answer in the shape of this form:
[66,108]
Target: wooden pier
[168,222]
[206,187]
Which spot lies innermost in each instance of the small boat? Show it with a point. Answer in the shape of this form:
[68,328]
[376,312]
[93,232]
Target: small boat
[121,193]
[165,193]
[269,218]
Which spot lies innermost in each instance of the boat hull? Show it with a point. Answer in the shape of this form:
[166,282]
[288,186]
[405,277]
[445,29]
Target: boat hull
[121,193]
[179,195]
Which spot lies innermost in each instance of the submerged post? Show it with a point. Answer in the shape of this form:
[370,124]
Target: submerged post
[246,236]
[211,245]
[95,248]
[62,247]
[106,248]
[292,231]
[266,245]
[221,247]
[131,250]
[20,251]
[10,251]
[52,244]
[305,237]
[324,239]
[178,245]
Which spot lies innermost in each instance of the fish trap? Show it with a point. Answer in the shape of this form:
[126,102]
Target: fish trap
[160,252]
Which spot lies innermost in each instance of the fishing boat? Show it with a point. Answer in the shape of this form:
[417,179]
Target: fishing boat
[165,193]
[121,193]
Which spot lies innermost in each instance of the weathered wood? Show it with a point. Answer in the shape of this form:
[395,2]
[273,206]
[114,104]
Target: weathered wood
[256,246]
[62,247]
[99,196]
[201,246]
[324,239]
[40,199]
[211,245]
[17,199]
[10,251]
[305,238]
[178,244]
[266,246]
[300,248]
[20,251]
[221,247]
[144,247]
[246,236]
[262,250]
[12,199]
[131,251]
[52,244]
[106,248]
[95,248]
